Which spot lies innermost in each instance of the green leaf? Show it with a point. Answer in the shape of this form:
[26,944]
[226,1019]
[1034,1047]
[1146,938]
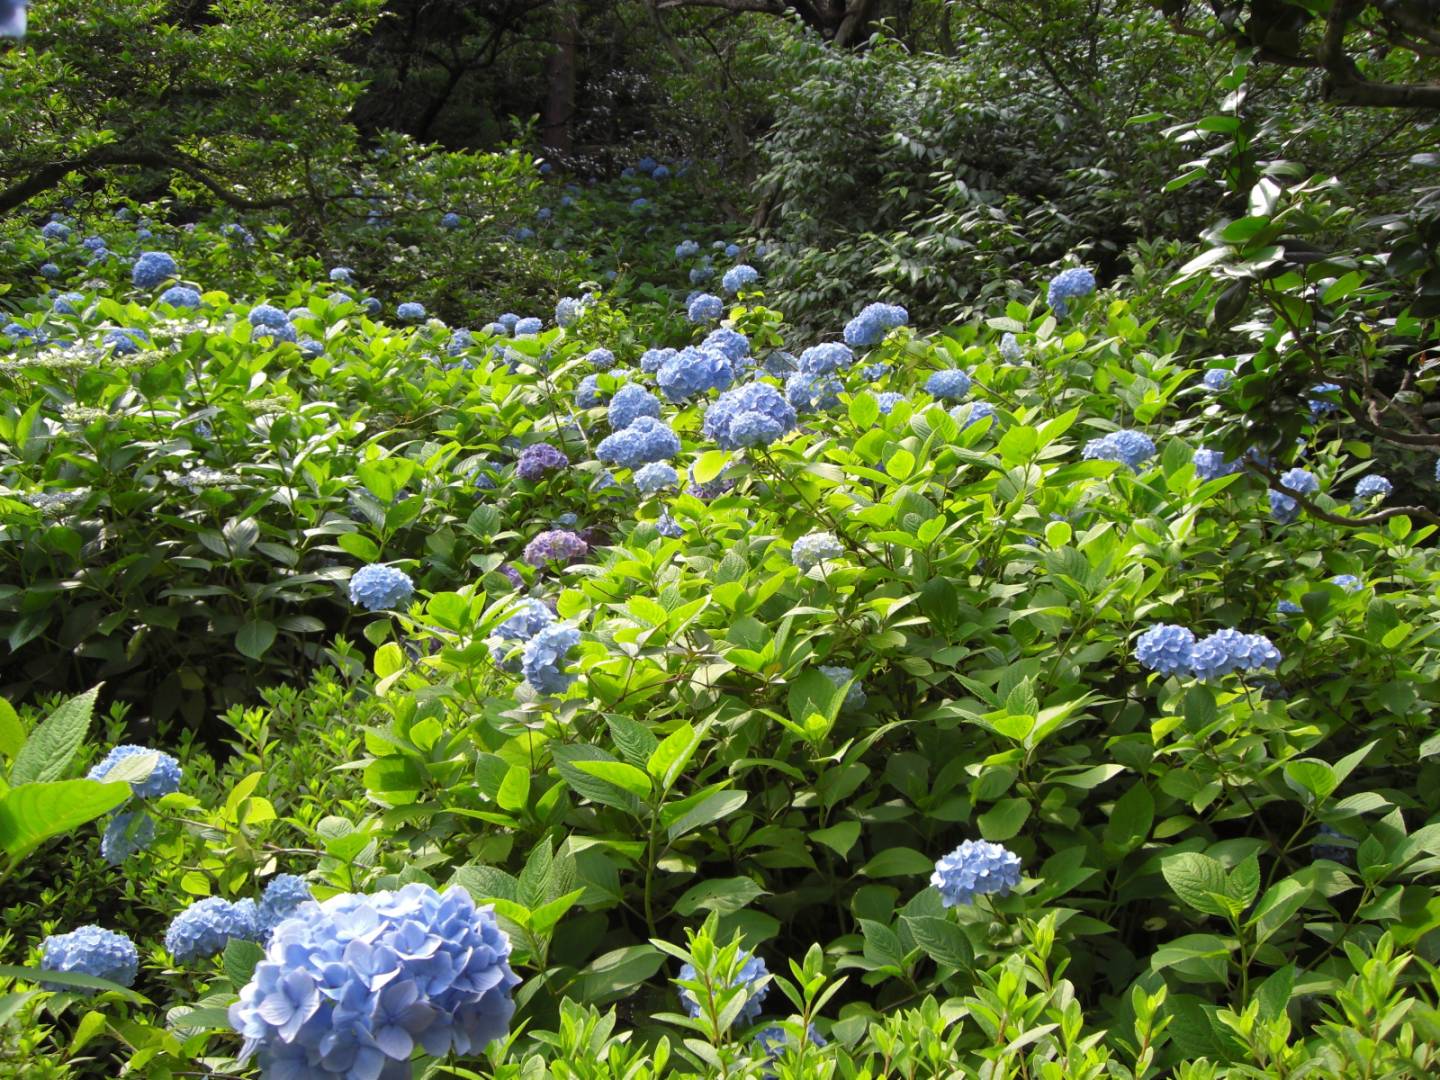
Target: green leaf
[1198,880]
[1131,818]
[239,960]
[255,638]
[54,741]
[721,895]
[620,774]
[12,731]
[942,940]
[864,411]
[1004,819]
[898,862]
[362,547]
[709,465]
[672,755]
[700,810]
[69,979]
[838,838]
[32,813]
[1312,776]
[610,976]
[587,784]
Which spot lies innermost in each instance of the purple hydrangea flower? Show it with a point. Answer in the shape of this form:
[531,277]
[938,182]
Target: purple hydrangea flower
[555,545]
[538,459]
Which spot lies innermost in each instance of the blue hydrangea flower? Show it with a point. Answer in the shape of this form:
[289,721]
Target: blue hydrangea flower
[739,277]
[1129,447]
[64,304]
[1285,509]
[17,332]
[282,899]
[152,268]
[855,697]
[126,342]
[165,774]
[973,413]
[754,976]
[1227,650]
[342,275]
[532,617]
[639,206]
[751,415]
[371,305]
[702,273]
[655,476]
[975,868]
[711,489]
[285,332]
[93,243]
[948,385]
[1217,379]
[652,359]
[450,220]
[693,371]
[90,950]
[1320,406]
[630,403]
[668,527]
[662,172]
[814,548]
[236,231]
[704,307]
[55,230]
[207,926]
[873,323]
[181,296]
[524,232]
[600,359]
[823,359]
[378,588]
[587,394]
[125,835]
[1437,470]
[268,315]
[1348,582]
[543,658]
[1010,350]
[1166,648]
[310,348]
[812,393]
[687,249]
[568,311]
[509,321]
[1212,464]
[527,327]
[646,165]
[1373,486]
[644,440]
[888,399]
[350,987]
[410,311]
[1289,607]
[774,1041]
[538,459]
[49,270]
[1069,285]
[731,344]
[555,545]
[732,250]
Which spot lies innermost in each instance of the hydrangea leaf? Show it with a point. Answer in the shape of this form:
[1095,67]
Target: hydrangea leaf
[54,741]
[32,813]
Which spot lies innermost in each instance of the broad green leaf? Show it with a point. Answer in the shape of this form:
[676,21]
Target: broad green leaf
[898,862]
[620,774]
[1131,818]
[255,638]
[1198,880]
[33,813]
[722,895]
[12,731]
[54,741]
[239,960]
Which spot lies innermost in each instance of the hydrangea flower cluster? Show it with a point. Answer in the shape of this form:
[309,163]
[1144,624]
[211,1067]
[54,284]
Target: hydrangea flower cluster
[90,950]
[587,394]
[693,371]
[812,393]
[342,275]
[1212,464]
[281,899]
[651,359]
[644,440]
[750,415]
[855,697]
[630,403]
[527,327]
[774,1040]
[411,311]
[873,323]
[1283,508]
[1348,582]
[1374,486]
[1174,650]
[379,588]
[124,341]
[351,985]
[1066,286]
[704,307]
[1126,446]
[543,658]
[687,249]
[450,220]
[181,296]
[125,835]
[668,527]
[555,545]
[1010,350]
[207,926]
[973,413]
[538,459]
[952,384]
[888,399]
[754,976]
[164,778]
[739,277]
[568,311]
[825,358]
[975,868]
[814,548]
[1321,406]
[731,344]
[655,476]
[1217,379]
[1289,607]
[153,268]
[518,629]
[600,359]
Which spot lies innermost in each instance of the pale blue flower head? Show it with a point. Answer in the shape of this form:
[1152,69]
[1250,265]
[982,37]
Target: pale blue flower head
[532,617]
[630,403]
[568,311]
[826,358]
[126,342]
[1217,379]
[1323,406]
[704,307]
[379,588]
[1373,486]
[600,359]
[342,275]
[1131,448]
[687,249]
[181,296]
[1348,582]
[815,548]
[644,440]
[1010,350]
[855,697]
[125,835]
[812,393]
[1069,285]
[873,323]
[544,656]
[751,415]
[268,315]
[410,311]
[731,344]
[1212,464]
[973,413]
[739,277]
[951,384]
[655,476]
[207,926]
[1165,648]
[975,868]
[693,371]
[153,268]
[163,779]
[282,898]
[90,950]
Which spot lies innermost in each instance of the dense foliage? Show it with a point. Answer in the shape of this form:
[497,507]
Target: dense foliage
[903,579]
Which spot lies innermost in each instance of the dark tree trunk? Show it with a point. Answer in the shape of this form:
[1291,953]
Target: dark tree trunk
[555,133]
